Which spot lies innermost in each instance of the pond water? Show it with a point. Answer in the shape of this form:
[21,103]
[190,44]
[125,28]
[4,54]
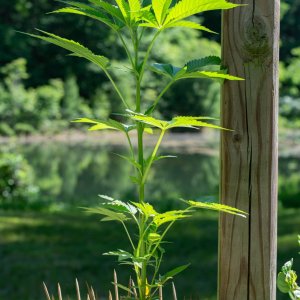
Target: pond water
[76,174]
[73,175]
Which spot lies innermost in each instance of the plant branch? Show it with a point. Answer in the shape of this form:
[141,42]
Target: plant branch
[116,89]
[156,270]
[147,54]
[152,108]
[152,157]
[130,145]
[126,49]
[128,235]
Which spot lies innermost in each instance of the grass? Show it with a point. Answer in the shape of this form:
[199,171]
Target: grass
[57,247]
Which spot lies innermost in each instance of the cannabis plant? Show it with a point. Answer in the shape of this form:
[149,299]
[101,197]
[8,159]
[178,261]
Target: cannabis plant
[133,21]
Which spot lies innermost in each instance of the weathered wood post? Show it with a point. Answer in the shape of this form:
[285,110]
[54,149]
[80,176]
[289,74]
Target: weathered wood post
[247,248]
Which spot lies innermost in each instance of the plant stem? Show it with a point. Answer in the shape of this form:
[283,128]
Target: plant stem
[116,89]
[126,49]
[128,235]
[141,274]
[153,155]
[130,145]
[152,108]
[147,55]
[156,269]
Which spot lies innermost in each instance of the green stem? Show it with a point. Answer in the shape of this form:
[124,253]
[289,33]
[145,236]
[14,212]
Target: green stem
[116,89]
[126,48]
[141,274]
[147,55]
[156,269]
[153,155]
[141,35]
[130,145]
[128,235]
[151,109]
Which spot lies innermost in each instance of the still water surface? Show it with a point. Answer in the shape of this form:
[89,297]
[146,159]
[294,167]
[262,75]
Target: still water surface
[71,174]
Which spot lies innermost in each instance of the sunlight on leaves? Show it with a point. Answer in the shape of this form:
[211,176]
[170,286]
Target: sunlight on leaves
[218,207]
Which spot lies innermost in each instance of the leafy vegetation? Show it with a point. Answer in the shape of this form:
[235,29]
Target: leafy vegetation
[86,90]
[128,21]
[287,279]
[17,187]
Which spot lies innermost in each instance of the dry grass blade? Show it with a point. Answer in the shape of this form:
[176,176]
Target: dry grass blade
[116,285]
[46,291]
[160,291]
[110,296]
[59,292]
[88,297]
[174,291]
[134,289]
[77,290]
[129,287]
[93,294]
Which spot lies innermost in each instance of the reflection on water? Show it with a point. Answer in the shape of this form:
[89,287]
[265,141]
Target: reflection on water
[76,174]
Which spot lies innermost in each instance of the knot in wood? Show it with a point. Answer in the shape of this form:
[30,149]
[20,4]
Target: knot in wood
[256,40]
[237,138]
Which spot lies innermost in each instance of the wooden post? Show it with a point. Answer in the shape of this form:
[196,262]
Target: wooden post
[247,248]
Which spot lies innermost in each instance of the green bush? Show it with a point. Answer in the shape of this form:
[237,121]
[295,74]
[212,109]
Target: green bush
[289,192]
[6,130]
[16,181]
[24,129]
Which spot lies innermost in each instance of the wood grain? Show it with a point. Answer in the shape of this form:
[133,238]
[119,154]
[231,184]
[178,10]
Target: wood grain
[249,155]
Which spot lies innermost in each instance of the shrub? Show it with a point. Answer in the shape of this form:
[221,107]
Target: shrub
[24,129]
[6,130]
[16,181]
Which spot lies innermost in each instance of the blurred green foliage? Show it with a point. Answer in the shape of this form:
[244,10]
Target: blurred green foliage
[17,188]
[25,110]
[289,181]
[41,97]
[290,63]
[290,90]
